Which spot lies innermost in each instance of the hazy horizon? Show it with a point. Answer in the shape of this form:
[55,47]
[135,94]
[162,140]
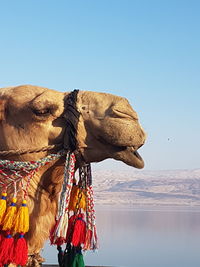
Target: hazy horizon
[111,164]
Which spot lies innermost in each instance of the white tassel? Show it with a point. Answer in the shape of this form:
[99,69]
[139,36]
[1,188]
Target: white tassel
[60,230]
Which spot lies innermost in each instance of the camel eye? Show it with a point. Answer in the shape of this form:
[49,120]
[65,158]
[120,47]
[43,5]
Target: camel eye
[42,113]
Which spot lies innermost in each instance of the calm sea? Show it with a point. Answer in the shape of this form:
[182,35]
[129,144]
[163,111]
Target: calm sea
[144,237]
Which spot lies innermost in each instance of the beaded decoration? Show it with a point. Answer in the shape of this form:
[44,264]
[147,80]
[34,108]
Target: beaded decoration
[15,176]
[75,219]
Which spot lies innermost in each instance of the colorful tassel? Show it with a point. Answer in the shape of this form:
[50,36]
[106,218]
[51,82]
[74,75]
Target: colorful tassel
[74,198]
[2,205]
[8,220]
[54,239]
[68,257]
[21,225]
[60,256]
[79,231]
[20,253]
[70,229]
[21,222]
[73,257]
[59,231]
[1,236]
[64,225]
[78,260]
[6,249]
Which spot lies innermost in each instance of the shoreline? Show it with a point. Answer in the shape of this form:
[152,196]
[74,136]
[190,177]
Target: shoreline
[160,208]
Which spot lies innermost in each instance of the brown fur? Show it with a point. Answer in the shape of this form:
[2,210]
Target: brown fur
[108,128]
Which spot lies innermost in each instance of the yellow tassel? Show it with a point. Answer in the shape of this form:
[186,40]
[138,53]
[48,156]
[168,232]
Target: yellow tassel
[74,198]
[9,216]
[2,205]
[21,223]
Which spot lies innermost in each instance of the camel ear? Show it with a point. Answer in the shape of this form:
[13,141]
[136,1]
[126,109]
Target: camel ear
[2,109]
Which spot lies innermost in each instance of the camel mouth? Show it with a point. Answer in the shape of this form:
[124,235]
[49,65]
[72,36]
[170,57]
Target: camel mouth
[135,158]
[138,160]
[137,155]
[135,151]
[126,153]
[130,156]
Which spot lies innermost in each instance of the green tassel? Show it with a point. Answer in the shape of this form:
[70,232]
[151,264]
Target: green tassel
[78,260]
[68,256]
[73,257]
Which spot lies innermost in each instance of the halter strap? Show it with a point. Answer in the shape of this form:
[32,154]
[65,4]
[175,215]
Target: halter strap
[11,152]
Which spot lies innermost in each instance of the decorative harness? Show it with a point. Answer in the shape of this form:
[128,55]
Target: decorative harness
[75,218]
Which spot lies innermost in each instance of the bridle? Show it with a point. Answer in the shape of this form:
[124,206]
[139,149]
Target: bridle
[12,167]
[71,115]
[19,152]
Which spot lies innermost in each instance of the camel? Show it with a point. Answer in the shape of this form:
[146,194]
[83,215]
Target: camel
[33,117]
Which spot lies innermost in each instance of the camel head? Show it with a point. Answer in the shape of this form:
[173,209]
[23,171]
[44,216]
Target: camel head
[33,117]
[109,128]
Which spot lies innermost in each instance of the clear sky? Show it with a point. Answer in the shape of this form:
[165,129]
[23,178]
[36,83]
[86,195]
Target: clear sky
[147,51]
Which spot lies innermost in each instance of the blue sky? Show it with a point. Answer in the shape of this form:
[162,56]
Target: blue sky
[147,51]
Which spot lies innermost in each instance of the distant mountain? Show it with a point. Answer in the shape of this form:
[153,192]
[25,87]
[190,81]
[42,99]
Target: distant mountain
[173,187]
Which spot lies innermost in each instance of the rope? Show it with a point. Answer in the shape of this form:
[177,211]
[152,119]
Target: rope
[29,165]
[26,151]
[60,230]
[13,171]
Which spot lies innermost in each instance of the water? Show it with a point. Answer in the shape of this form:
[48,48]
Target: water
[144,238]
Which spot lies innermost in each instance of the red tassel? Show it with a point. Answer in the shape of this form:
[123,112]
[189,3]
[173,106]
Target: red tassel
[59,241]
[70,228]
[1,236]
[6,249]
[20,254]
[79,232]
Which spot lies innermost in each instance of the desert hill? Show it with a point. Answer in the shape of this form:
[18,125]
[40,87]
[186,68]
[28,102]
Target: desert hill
[173,187]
